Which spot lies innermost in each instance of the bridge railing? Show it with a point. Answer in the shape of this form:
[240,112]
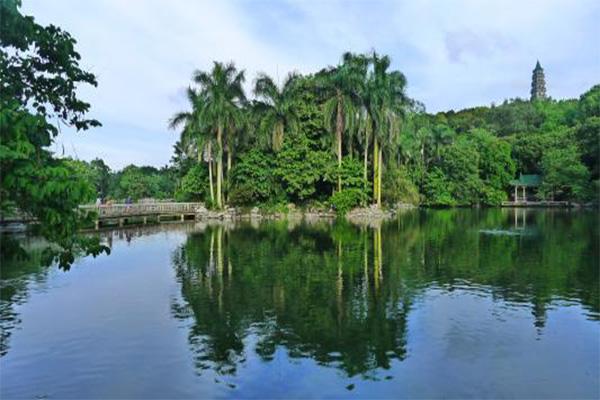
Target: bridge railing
[124,210]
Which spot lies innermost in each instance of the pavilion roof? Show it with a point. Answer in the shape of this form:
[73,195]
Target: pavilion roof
[527,180]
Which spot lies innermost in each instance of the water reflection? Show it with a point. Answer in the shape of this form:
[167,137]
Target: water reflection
[317,292]
[341,295]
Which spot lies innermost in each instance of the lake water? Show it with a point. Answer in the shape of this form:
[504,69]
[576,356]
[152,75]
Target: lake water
[450,303]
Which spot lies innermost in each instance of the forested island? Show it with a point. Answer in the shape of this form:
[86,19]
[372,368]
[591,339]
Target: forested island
[349,136]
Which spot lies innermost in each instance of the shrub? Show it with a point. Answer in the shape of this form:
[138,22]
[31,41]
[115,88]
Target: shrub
[438,189]
[193,185]
[252,180]
[398,187]
[565,177]
[351,173]
[347,199]
[300,168]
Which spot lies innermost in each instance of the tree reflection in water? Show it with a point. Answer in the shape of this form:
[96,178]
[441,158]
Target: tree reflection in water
[341,294]
[313,290]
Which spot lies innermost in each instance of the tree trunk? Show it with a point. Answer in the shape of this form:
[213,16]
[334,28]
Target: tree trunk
[219,167]
[229,162]
[210,175]
[339,128]
[350,147]
[366,161]
[379,168]
[375,168]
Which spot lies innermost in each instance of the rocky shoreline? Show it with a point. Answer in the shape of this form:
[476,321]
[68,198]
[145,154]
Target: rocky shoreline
[357,215]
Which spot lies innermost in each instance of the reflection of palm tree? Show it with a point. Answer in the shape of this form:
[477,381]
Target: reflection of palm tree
[319,323]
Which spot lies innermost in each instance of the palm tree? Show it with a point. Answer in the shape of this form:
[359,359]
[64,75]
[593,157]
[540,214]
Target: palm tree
[194,135]
[365,126]
[277,108]
[387,102]
[342,85]
[222,95]
[440,135]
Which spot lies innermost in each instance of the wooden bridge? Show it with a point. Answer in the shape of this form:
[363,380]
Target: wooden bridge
[124,213]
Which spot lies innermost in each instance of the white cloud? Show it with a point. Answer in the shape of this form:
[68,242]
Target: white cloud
[454,53]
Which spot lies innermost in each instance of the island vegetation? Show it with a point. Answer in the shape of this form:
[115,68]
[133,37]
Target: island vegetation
[349,136]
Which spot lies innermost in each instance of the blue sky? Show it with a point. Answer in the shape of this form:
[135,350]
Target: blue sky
[455,54]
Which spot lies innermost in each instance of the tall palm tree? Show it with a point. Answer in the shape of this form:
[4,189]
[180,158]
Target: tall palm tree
[195,137]
[277,108]
[222,95]
[342,85]
[365,127]
[387,106]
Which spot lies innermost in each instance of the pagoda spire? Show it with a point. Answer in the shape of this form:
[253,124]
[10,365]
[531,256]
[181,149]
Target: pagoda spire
[538,83]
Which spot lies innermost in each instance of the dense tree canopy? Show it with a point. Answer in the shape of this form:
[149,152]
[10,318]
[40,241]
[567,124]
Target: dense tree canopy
[358,110]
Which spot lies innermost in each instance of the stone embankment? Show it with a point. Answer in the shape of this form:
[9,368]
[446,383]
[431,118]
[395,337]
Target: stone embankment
[357,215]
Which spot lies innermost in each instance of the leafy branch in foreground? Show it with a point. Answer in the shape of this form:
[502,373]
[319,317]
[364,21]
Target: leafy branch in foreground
[40,72]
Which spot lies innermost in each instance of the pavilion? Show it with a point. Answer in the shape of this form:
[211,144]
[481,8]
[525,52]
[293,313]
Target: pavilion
[525,183]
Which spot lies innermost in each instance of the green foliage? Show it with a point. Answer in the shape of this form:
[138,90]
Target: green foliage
[565,177]
[496,167]
[514,116]
[589,103]
[144,182]
[40,71]
[556,114]
[309,111]
[347,199]
[278,113]
[477,168]
[252,179]
[351,174]
[528,148]
[193,185]
[300,168]
[273,207]
[398,187]
[588,141]
[95,173]
[438,189]
[100,175]
[460,164]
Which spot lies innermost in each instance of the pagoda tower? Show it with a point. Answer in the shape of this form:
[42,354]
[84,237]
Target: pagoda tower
[538,83]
